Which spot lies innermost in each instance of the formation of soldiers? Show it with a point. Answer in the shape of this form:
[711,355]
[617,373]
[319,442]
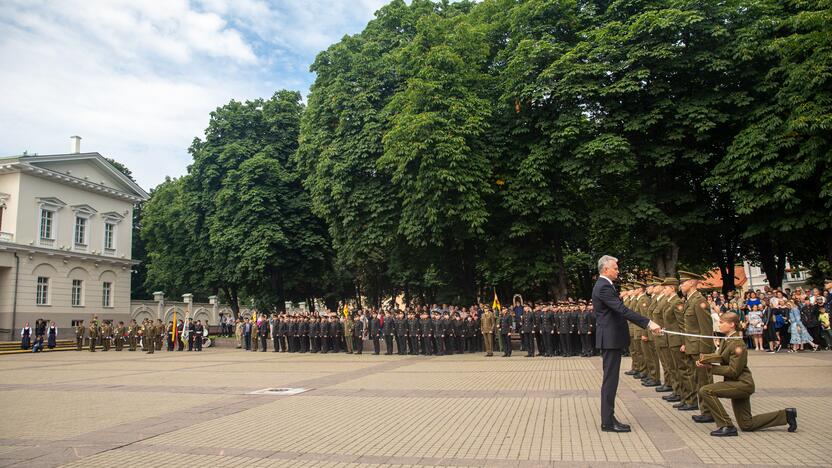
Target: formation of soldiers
[549,329]
[668,361]
[149,335]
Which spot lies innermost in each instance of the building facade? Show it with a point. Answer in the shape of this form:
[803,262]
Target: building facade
[66,224]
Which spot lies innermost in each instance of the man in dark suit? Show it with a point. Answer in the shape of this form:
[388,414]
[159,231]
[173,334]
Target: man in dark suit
[612,336]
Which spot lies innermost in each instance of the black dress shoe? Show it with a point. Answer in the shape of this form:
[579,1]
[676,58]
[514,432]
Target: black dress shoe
[650,383]
[615,427]
[630,372]
[702,418]
[672,398]
[664,388]
[679,405]
[725,431]
[688,408]
[639,375]
[616,422]
[791,417]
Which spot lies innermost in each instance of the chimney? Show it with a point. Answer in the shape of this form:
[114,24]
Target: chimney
[76,144]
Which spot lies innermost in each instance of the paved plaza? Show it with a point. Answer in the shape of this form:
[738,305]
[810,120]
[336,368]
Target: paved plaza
[196,409]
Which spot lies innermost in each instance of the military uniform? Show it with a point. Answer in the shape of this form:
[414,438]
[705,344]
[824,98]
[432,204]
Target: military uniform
[118,336]
[93,333]
[79,336]
[695,307]
[487,327]
[673,317]
[506,326]
[738,385]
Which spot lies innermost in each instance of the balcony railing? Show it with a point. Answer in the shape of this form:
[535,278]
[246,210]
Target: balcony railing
[6,236]
[110,252]
[46,242]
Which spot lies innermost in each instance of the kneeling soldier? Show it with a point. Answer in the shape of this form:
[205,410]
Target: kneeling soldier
[738,385]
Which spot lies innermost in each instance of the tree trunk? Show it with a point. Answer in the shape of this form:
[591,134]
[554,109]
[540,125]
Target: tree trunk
[666,260]
[561,289]
[772,261]
[233,300]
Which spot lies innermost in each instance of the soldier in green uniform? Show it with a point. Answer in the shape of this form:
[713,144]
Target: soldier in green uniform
[628,297]
[93,333]
[348,326]
[660,341]
[79,335]
[695,308]
[158,334]
[118,336]
[487,325]
[643,302]
[148,336]
[672,315]
[106,335]
[737,384]
[132,334]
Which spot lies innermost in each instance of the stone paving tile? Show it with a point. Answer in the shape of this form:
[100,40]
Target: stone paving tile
[808,446]
[156,459]
[537,429]
[55,415]
[496,380]
[182,409]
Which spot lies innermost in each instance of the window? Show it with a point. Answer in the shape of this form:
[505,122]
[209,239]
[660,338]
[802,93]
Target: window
[42,293]
[2,208]
[46,219]
[77,293]
[80,231]
[107,294]
[77,322]
[109,236]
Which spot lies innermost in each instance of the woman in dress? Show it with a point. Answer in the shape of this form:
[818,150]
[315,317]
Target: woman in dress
[754,327]
[25,336]
[52,335]
[799,334]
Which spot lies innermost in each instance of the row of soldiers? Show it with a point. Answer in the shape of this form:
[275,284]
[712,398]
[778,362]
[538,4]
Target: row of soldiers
[555,329]
[149,335]
[668,362]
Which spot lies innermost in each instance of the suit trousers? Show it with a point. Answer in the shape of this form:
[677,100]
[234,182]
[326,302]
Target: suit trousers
[506,344]
[611,360]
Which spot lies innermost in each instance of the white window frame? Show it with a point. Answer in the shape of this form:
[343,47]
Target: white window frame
[82,223]
[52,205]
[112,246]
[80,293]
[49,239]
[107,294]
[42,291]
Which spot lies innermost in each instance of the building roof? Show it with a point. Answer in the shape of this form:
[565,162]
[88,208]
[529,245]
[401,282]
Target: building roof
[32,164]
[713,279]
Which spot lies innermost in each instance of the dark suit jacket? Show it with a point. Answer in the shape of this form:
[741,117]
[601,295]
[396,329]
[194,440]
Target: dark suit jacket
[611,317]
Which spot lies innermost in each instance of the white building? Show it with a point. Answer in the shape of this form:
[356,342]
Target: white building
[792,279]
[65,239]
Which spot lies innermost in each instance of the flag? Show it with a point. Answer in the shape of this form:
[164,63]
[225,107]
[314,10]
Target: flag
[174,330]
[496,304]
[346,310]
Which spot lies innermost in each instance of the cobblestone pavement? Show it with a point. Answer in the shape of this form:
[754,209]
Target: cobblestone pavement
[191,409]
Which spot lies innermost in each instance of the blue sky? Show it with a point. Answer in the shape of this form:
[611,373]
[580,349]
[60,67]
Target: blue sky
[137,79]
